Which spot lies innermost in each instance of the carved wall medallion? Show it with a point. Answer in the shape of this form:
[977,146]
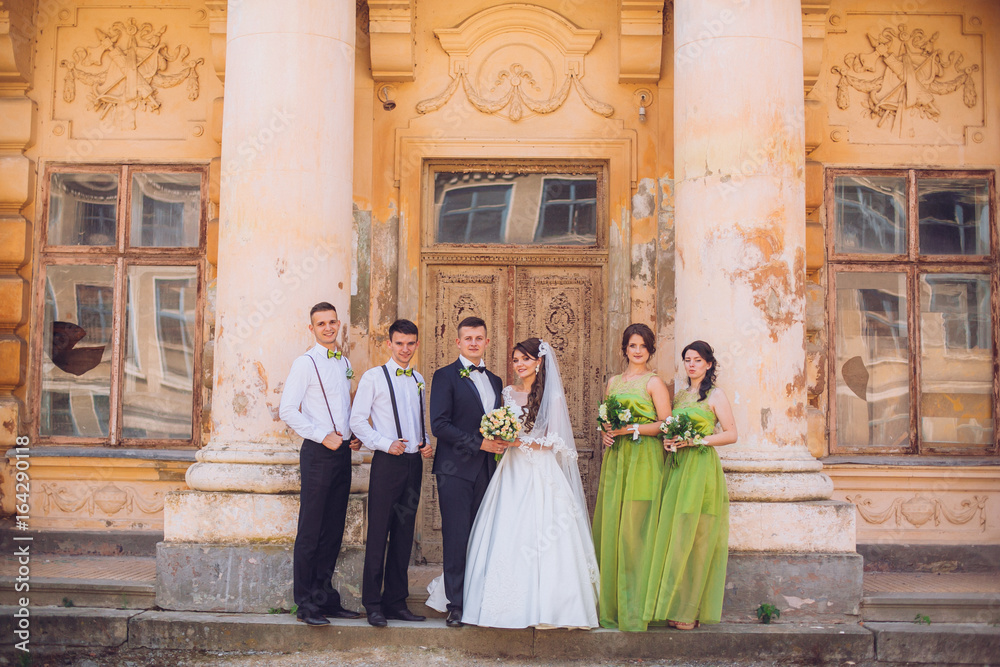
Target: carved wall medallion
[509,79]
[897,82]
[920,510]
[109,499]
[125,69]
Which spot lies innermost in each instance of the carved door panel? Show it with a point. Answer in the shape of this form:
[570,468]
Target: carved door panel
[562,305]
[455,292]
[565,307]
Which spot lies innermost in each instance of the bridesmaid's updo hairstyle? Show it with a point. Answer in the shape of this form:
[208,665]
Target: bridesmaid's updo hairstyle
[706,352]
[642,330]
[531,347]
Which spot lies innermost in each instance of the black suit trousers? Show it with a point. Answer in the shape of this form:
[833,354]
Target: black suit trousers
[326,487]
[393,498]
[459,500]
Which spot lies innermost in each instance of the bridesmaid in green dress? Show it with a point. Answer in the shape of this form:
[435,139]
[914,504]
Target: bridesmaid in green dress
[625,516]
[687,571]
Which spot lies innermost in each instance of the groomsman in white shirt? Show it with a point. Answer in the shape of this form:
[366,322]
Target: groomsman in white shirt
[316,404]
[392,397]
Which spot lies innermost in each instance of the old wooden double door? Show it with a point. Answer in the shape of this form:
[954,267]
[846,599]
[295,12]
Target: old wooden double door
[557,296]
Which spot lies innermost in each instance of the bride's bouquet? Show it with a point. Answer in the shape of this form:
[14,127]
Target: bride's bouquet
[500,424]
[681,427]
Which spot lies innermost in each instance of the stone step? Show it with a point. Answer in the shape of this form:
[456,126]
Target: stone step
[280,633]
[937,644]
[938,607]
[73,592]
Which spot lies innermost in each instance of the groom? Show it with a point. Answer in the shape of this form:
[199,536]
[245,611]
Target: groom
[461,394]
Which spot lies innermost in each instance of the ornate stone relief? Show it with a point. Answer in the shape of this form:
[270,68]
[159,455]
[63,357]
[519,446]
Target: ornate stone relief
[126,68]
[920,510]
[904,70]
[914,82]
[506,60]
[108,499]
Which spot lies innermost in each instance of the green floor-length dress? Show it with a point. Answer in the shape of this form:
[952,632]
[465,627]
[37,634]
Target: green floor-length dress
[625,516]
[687,571]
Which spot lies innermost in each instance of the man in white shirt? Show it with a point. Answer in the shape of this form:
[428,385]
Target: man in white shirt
[392,397]
[316,404]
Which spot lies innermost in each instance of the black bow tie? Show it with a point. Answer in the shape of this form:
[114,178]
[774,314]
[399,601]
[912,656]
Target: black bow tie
[478,368]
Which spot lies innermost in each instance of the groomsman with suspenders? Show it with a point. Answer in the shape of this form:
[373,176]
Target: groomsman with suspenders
[316,404]
[392,397]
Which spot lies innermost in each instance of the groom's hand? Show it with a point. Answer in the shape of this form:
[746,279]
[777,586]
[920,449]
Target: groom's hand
[493,446]
[398,446]
[333,441]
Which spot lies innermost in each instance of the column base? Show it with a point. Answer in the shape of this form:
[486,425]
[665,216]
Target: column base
[228,551]
[810,587]
[243,578]
[817,526]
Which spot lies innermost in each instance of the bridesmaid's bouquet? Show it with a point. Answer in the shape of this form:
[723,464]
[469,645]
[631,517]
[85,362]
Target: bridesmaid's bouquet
[681,427]
[613,413]
[500,424]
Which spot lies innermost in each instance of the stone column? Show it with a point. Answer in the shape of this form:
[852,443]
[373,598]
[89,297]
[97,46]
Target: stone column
[739,158]
[284,244]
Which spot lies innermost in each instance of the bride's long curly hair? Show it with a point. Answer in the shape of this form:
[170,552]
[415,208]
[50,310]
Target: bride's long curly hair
[531,347]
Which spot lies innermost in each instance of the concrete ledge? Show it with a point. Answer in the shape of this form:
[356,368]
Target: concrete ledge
[940,607]
[931,557]
[69,626]
[817,526]
[780,643]
[241,578]
[50,591]
[824,588]
[936,644]
[282,633]
[85,542]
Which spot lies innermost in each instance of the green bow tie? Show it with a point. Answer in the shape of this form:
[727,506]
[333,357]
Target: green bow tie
[404,371]
[330,354]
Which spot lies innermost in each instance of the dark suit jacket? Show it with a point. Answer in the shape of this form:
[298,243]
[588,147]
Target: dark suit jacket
[456,411]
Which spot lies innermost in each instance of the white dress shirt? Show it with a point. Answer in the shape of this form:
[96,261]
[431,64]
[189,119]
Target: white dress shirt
[373,401]
[483,384]
[302,405]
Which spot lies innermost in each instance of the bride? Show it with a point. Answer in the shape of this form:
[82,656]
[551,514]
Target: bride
[531,560]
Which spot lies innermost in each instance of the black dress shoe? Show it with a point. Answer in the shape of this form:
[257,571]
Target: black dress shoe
[454,619]
[311,619]
[377,619]
[404,614]
[340,613]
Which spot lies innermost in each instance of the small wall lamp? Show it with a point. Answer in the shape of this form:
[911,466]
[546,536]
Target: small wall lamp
[645,99]
[383,97]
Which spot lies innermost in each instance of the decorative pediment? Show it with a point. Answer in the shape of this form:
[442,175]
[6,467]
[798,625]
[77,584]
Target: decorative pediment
[516,59]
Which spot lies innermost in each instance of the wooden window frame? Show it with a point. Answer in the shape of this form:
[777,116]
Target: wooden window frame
[552,168]
[913,265]
[120,256]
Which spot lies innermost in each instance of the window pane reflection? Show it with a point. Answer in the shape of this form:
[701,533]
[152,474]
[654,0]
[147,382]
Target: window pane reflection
[956,391]
[872,365]
[76,351]
[871,214]
[159,364]
[166,210]
[954,216]
[83,209]
[519,208]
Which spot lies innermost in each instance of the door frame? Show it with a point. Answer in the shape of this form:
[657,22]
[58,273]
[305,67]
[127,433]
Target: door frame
[415,154]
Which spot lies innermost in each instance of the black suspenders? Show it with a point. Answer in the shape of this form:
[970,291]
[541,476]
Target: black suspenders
[395,409]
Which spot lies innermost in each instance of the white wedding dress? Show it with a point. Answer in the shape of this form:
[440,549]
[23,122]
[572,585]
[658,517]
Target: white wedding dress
[531,559]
